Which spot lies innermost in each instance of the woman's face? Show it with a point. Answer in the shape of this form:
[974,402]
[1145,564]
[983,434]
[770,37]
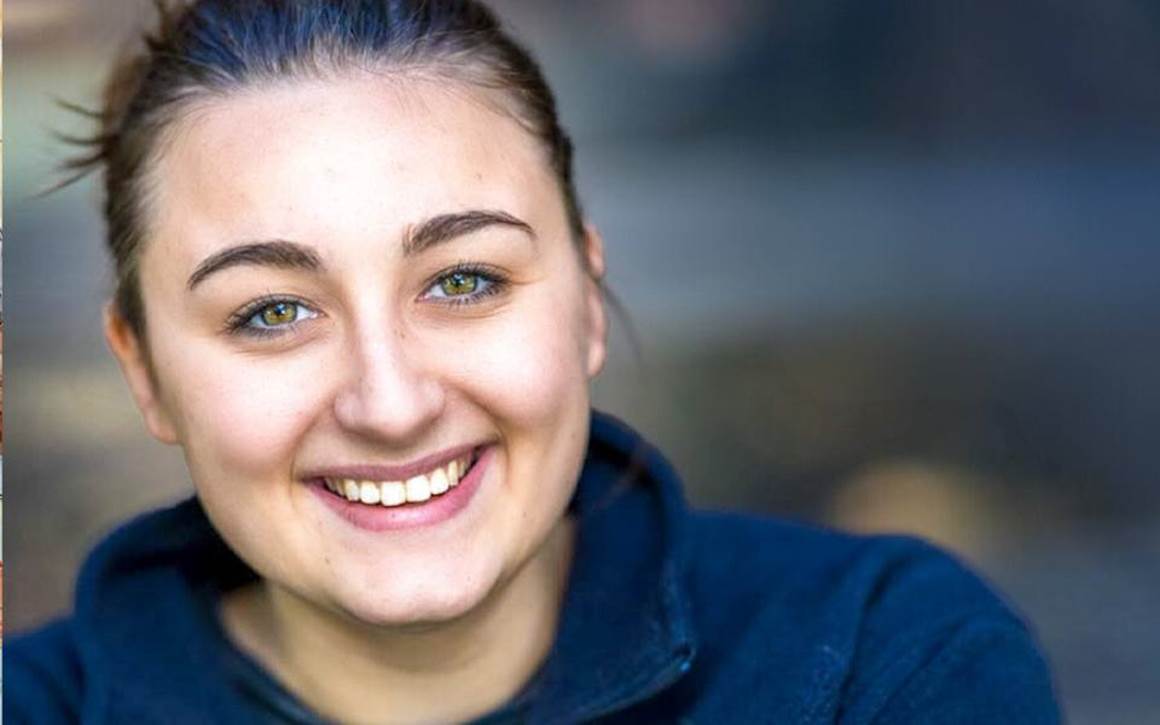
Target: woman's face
[352,285]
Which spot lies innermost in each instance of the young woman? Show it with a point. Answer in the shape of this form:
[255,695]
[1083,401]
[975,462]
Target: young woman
[356,287]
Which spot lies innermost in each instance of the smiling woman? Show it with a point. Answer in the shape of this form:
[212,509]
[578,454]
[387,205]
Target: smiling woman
[356,288]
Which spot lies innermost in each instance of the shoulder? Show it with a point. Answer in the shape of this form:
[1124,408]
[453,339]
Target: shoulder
[43,679]
[874,628]
[790,563]
[878,583]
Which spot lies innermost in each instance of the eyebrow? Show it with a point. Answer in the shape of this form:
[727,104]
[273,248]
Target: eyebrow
[274,253]
[445,227]
[284,254]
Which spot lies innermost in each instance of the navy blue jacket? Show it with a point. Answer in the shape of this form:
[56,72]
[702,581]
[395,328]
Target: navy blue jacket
[671,616]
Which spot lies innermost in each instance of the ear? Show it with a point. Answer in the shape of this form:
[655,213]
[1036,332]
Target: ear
[594,298]
[132,358]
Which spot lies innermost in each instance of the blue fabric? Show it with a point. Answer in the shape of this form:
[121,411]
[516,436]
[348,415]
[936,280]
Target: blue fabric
[671,616]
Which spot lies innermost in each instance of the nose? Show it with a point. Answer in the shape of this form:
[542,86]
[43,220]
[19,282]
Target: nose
[389,392]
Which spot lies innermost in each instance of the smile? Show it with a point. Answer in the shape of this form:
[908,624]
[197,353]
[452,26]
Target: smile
[425,492]
[414,489]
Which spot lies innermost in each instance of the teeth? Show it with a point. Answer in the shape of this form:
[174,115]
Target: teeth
[418,489]
[350,489]
[439,482]
[368,492]
[393,493]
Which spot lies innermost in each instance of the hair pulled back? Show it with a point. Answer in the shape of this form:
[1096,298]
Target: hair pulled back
[206,48]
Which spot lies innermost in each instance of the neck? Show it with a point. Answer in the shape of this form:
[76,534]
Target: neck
[354,672]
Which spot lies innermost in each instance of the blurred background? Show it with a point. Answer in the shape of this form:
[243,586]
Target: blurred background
[892,265]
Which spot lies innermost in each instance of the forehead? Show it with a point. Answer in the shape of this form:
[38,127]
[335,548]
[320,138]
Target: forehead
[314,159]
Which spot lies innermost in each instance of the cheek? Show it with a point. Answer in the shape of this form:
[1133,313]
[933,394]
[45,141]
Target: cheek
[241,414]
[525,365]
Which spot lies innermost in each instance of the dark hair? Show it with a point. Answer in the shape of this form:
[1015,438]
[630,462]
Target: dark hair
[205,48]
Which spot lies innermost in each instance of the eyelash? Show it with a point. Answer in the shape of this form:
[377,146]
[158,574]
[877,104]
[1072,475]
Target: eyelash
[494,283]
[239,322]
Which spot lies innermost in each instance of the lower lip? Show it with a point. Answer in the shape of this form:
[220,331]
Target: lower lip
[409,515]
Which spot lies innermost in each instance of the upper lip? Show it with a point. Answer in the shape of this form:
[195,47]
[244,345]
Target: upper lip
[401,472]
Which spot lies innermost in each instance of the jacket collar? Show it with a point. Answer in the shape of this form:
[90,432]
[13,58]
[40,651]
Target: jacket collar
[625,631]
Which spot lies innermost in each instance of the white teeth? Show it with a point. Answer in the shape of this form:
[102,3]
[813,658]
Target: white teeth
[393,493]
[439,483]
[368,492]
[418,489]
[350,489]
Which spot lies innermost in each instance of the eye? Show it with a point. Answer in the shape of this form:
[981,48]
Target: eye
[460,283]
[464,284]
[265,317]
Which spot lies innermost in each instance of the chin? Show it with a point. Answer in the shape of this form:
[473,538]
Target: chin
[419,603]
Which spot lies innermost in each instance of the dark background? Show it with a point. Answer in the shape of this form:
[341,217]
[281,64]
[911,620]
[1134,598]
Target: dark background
[893,266]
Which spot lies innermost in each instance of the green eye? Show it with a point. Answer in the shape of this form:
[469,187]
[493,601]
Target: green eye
[279,313]
[275,316]
[465,284]
[459,283]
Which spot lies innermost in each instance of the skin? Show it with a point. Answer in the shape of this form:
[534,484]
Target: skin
[378,369]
